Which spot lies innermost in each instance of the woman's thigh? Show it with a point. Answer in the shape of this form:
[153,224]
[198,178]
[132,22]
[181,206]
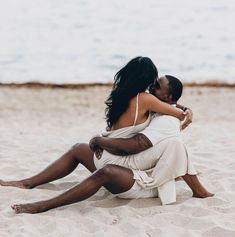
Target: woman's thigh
[120,179]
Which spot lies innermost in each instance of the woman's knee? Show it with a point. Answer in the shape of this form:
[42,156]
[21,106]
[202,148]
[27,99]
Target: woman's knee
[82,153]
[79,148]
[115,178]
[176,143]
[114,171]
[108,170]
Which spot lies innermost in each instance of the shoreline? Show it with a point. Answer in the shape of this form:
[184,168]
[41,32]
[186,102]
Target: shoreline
[39,85]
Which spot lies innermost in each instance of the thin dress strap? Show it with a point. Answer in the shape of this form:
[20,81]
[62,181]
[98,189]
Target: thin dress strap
[136,109]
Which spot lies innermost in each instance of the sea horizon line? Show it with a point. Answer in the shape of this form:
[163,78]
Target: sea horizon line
[41,85]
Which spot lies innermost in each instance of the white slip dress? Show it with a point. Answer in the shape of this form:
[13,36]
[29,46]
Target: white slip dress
[156,167]
[126,132]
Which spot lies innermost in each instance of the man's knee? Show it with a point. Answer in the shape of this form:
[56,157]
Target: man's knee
[176,141]
[176,145]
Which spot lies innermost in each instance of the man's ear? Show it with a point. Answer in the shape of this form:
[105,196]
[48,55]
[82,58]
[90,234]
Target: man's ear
[169,99]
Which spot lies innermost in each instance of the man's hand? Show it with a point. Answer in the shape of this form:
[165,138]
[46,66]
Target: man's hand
[94,147]
[92,143]
[188,119]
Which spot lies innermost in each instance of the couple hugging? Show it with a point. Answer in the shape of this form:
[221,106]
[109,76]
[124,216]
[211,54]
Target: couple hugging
[141,152]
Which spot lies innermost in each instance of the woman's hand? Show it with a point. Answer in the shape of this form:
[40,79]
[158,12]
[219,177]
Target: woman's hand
[188,118]
[182,115]
[94,147]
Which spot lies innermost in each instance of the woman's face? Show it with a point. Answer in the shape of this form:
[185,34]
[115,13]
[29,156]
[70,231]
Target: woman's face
[160,89]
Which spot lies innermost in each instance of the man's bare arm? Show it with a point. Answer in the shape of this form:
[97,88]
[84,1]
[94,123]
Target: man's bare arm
[122,146]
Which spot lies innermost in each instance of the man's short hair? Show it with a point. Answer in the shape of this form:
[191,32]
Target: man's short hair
[175,87]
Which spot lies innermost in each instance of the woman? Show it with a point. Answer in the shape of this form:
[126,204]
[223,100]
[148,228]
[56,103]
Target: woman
[156,155]
[131,80]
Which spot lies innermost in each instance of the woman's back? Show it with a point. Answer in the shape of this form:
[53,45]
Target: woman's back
[135,114]
[132,80]
[140,106]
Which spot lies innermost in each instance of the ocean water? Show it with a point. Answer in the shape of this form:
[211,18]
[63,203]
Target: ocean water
[78,41]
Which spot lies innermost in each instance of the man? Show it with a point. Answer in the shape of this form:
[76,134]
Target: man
[168,89]
[167,158]
[157,167]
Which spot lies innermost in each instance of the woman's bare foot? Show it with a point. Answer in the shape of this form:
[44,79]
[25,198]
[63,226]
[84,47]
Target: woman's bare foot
[18,184]
[31,208]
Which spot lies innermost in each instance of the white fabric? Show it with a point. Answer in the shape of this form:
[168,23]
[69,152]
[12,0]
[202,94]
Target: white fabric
[162,127]
[137,192]
[158,166]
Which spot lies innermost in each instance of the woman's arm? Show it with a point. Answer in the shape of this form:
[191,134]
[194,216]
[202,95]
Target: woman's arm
[181,107]
[188,116]
[152,103]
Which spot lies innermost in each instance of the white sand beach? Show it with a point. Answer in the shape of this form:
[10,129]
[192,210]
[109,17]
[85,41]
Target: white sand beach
[38,125]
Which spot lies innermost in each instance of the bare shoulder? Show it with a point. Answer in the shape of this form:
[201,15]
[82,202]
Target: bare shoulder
[145,101]
[143,96]
[146,97]
[150,102]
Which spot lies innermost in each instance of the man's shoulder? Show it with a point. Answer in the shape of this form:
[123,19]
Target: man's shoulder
[160,121]
[157,116]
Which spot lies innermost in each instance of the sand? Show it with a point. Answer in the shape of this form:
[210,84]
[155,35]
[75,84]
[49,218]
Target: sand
[38,125]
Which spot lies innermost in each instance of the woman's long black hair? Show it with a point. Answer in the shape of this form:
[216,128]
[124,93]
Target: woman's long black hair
[135,77]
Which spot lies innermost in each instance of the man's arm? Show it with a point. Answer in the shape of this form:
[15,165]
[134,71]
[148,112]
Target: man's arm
[122,146]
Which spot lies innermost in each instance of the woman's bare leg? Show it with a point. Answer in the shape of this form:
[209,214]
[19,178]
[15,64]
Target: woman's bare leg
[115,178]
[80,153]
[198,190]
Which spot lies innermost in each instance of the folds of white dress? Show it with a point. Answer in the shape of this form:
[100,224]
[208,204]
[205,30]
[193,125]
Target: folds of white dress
[159,165]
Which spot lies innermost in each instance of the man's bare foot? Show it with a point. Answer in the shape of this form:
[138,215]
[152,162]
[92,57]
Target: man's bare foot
[198,190]
[19,184]
[203,194]
[31,208]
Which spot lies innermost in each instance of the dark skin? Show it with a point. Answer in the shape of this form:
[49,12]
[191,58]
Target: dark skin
[139,142]
[115,178]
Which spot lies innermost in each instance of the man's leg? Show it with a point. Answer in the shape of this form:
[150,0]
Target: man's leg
[80,153]
[198,190]
[115,178]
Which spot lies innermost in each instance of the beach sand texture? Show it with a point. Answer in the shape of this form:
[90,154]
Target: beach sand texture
[38,125]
